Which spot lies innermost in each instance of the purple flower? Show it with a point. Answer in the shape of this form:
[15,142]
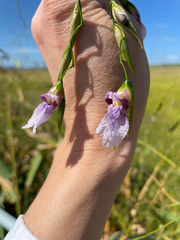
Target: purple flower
[114,126]
[43,112]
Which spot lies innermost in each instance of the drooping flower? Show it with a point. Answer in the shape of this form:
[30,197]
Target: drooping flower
[43,112]
[115,125]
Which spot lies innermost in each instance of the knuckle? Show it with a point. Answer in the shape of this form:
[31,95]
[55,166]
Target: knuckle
[55,10]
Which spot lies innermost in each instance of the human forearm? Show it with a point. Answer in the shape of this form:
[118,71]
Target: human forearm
[77,196]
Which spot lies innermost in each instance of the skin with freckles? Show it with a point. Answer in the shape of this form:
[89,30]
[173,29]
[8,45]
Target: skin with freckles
[79,191]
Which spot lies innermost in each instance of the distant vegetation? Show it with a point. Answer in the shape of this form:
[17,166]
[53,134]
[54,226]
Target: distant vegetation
[149,197]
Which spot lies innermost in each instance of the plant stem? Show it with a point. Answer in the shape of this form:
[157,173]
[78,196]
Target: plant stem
[158,153]
[12,154]
[120,220]
[157,230]
[126,76]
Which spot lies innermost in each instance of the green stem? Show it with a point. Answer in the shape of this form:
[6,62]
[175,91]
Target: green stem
[12,154]
[121,60]
[2,233]
[126,76]
[158,153]
[157,230]
[120,219]
[68,60]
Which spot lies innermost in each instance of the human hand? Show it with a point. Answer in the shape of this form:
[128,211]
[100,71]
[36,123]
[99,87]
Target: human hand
[97,68]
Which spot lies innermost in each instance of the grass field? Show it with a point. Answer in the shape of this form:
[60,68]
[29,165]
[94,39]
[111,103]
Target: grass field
[149,198]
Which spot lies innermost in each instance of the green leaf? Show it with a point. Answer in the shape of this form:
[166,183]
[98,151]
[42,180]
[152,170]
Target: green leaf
[76,23]
[65,61]
[34,166]
[123,45]
[169,215]
[158,107]
[8,190]
[134,35]
[150,237]
[117,11]
[174,126]
[5,171]
[67,58]
[17,63]
[5,55]
[2,232]
[117,236]
[61,109]
[126,54]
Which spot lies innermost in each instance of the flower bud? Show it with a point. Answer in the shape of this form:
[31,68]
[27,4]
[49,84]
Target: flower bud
[76,21]
[54,95]
[121,18]
[65,61]
[127,90]
[123,46]
[58,90]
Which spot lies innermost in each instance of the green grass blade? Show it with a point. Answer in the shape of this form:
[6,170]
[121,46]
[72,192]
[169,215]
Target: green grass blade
[158,153]
[5,171]
[158,229]
[2,232]
[31,174]
[35,163]
[8,190]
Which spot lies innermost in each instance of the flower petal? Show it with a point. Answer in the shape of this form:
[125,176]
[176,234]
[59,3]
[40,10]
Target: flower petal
[41,114]
[34,116]
[102,126]
[109,98]
[115,131]
[114,111]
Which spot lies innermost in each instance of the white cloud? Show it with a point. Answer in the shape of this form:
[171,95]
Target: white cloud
[170,39]
[24,50]
[173,58]
[161,26]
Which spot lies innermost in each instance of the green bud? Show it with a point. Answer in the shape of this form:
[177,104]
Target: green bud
[58,89]
[121,18]
[65,61]
[76,21]
[128,89]
[61,109]
[118,34]
[123,46]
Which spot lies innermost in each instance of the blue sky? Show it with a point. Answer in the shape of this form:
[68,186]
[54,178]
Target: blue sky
[161,18]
